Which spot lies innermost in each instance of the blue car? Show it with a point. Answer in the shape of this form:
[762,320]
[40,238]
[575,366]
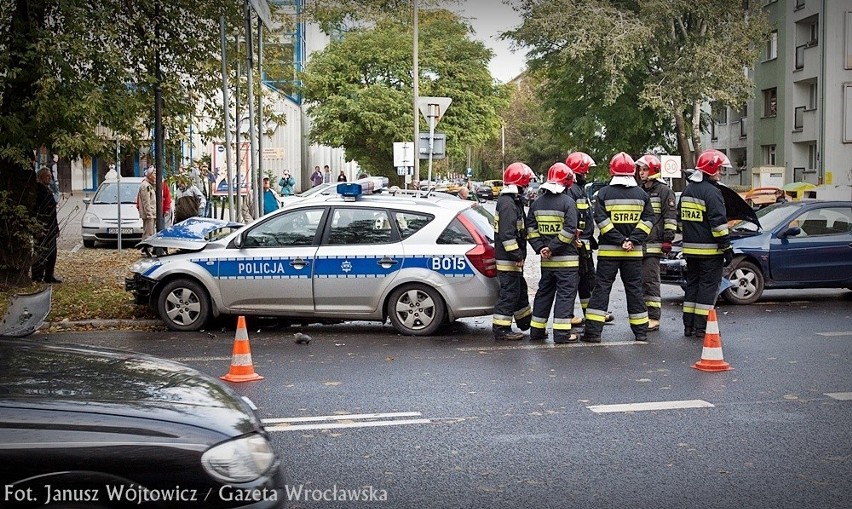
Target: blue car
[803,244]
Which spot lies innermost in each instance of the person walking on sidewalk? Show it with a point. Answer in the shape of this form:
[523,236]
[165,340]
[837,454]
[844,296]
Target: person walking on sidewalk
[552,233]
[706,243]
[624,216]
[662,234]
[579,163]
[510,249]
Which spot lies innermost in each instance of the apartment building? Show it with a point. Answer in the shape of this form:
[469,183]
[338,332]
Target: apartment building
[798,126]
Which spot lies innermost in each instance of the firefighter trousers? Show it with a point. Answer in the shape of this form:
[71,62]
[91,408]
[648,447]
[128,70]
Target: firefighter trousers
[703,275]
[513,301]
[651,286]
[586,278]
[561,284]
[631,277]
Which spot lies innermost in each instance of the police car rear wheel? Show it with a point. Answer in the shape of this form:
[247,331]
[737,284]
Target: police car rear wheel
[184,305]
[416,310]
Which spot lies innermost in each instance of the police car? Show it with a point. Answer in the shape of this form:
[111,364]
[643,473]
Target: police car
[418,261]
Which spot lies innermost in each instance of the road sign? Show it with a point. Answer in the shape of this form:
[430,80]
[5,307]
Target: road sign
[439,145]
[403,153]
[671,166]
[470,172]
[433,107]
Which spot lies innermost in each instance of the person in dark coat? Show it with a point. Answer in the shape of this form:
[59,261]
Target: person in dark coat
[45,240]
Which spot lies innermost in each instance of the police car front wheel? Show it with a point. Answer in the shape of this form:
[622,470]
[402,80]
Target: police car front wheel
[416,310]
[184,305]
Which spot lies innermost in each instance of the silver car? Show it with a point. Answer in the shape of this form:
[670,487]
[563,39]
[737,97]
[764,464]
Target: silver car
[419,262]
[101,219]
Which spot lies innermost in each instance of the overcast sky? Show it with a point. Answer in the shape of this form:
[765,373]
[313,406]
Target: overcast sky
[489,18]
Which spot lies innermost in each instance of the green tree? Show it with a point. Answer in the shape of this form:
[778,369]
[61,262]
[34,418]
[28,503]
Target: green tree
[360,91]
[623,74]
[71,68]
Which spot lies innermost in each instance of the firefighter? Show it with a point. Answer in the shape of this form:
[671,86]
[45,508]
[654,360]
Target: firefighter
[706,245]
[624,217]
[552,233]
[510,245]
[579,163]
[662,234]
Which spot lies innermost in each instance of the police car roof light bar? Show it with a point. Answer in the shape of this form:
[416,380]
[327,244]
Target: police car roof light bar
[349,191]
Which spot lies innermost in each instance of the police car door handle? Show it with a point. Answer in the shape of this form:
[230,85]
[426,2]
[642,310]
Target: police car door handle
[386,262]
[298,263]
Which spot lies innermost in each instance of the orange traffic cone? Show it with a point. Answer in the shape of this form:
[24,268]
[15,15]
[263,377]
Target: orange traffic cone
[242,368]
[711,355]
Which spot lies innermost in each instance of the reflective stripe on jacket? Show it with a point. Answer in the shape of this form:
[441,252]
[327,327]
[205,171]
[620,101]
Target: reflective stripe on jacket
[552,222]
[622,213]
[703,220]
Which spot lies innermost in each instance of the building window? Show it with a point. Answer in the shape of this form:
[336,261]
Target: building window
[812,95]
[770,102]
[719,112]
[813,32]
[812,156]
[768,155]
[848,53]
[772,46]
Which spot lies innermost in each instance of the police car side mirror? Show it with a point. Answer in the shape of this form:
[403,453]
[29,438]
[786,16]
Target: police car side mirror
[238,240]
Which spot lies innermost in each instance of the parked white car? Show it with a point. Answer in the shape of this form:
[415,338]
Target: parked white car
[101,219]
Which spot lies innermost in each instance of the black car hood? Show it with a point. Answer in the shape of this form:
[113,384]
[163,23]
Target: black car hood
[39,376]
[736,207]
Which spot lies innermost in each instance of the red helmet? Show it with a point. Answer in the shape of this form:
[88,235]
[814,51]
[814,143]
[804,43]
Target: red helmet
[579,162]
[710,161]
[651,162]
[518,174]
[560,174]
[622,165]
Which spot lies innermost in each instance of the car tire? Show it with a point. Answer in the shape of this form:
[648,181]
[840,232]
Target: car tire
[416,310]
[88,243]
[747,282]
[184,305]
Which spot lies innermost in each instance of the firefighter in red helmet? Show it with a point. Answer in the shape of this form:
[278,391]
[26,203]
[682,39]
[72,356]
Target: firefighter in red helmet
[579,163]
[624,217]
[706,244]
[659,241]
[510,246]
[552,233]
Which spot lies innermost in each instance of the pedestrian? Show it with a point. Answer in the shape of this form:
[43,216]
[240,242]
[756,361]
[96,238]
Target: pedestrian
[326,173]
[44,263]
[579,163]
[286,183]
[706,244]
[464,193]
[316,177]
[341,177]
[659,242]
[270,199]
[146,202]
[510,246]
[624,217]
[552,233]
[189,200]
[112,173]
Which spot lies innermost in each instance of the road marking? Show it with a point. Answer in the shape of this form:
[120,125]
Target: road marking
[834,334]
[547,346]
[653,405]
[337,421]
[842,396]
[200,359]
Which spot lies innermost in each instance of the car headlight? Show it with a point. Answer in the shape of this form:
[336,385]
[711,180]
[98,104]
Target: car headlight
[243,459]
[142,265]
[90,219]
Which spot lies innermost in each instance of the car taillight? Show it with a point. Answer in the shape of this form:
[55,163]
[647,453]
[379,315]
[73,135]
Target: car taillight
[482,257]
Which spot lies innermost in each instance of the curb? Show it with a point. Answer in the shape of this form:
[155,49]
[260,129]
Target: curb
[101,324]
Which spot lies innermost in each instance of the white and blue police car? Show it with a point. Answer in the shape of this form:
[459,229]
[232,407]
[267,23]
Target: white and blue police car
[418,261]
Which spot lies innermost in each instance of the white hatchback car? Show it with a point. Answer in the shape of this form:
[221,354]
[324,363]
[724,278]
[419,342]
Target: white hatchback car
[418,261]
[101,219]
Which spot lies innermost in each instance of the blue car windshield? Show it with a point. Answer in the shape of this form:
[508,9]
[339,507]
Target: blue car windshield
[769,217]
[108,192]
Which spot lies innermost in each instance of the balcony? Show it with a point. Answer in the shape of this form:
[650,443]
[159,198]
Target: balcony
[743,131]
